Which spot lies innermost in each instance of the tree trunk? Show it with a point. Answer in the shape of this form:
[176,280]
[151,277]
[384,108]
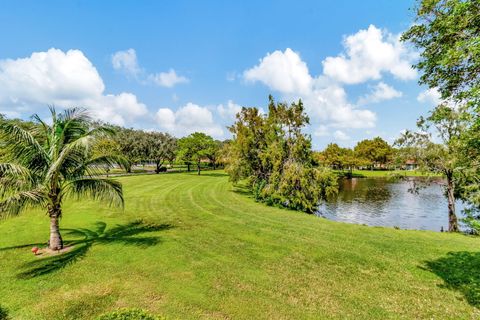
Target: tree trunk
[157,170]
[198,168]
[188,167]
[452,218]
[56,242]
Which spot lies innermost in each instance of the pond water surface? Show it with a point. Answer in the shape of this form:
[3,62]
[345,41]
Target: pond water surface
[387,202]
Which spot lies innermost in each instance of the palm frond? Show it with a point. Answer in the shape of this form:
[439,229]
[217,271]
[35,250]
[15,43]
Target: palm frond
[16,203]
[43,130]
[14,178]
[96,188]
[22,147]
[73,154]
[98,164]
[14,170]
[75,114]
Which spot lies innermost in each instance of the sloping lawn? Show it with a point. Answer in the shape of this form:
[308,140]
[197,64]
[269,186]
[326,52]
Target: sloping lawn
[194,247]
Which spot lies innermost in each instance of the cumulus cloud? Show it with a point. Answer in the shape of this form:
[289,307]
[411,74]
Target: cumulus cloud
[324,100]
[340,135]
[166,119]
[368,54]
[188,119]
[321,131]
[325,131]
[381,91]
[229,111]
[167,79]
[330,105]
[430,96]
[281,71]
[65,79]
[127,62]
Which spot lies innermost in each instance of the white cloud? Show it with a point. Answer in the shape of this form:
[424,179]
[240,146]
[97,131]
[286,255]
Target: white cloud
[430,96]
[322,131]
[188,119]
[167,79]
[381,91]
[229,112]
[166,119]
[126,61]
[281,71]
[330,105]
[324,100]
[340,135]
[64,79]
[368,54]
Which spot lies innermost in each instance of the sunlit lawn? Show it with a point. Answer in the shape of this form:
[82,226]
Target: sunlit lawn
[386,173]
[201,249]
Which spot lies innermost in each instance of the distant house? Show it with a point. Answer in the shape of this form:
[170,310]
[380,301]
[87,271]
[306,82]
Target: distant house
[411,164]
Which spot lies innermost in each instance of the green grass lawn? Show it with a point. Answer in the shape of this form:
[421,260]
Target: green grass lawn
[384,173]
[205,250]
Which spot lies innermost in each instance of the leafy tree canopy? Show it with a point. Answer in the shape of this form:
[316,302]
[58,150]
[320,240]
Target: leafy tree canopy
[448,34]
[374,151]
[195,148]
[275,157]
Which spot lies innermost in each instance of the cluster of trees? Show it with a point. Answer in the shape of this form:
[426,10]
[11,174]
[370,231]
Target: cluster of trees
[374,153]
[199,147]
[158,148]
[139,146]
[272,154]
[144,147]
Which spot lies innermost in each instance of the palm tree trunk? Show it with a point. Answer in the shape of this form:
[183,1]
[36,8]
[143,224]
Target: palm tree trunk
[452,218]
[54,212]
[56,241]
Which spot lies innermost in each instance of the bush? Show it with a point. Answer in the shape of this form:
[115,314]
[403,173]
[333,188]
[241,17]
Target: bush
[3,314]
[128,314]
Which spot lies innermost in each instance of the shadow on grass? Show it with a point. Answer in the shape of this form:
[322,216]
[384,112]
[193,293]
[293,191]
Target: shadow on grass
[243,190]
[349,175]
[84,239]
[460,272]
[212,173]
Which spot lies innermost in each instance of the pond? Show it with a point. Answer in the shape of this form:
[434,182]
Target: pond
[387,202]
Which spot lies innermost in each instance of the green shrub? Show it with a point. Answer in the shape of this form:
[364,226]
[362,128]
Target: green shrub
[3,314]
[128,314]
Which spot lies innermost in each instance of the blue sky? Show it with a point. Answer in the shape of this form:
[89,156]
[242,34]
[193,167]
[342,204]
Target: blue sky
[182,66]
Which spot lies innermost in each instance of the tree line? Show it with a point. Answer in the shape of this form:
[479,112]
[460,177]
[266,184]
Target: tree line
[368,153]
[139,147]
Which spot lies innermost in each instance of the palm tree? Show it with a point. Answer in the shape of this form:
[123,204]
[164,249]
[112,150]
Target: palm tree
[43,166]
